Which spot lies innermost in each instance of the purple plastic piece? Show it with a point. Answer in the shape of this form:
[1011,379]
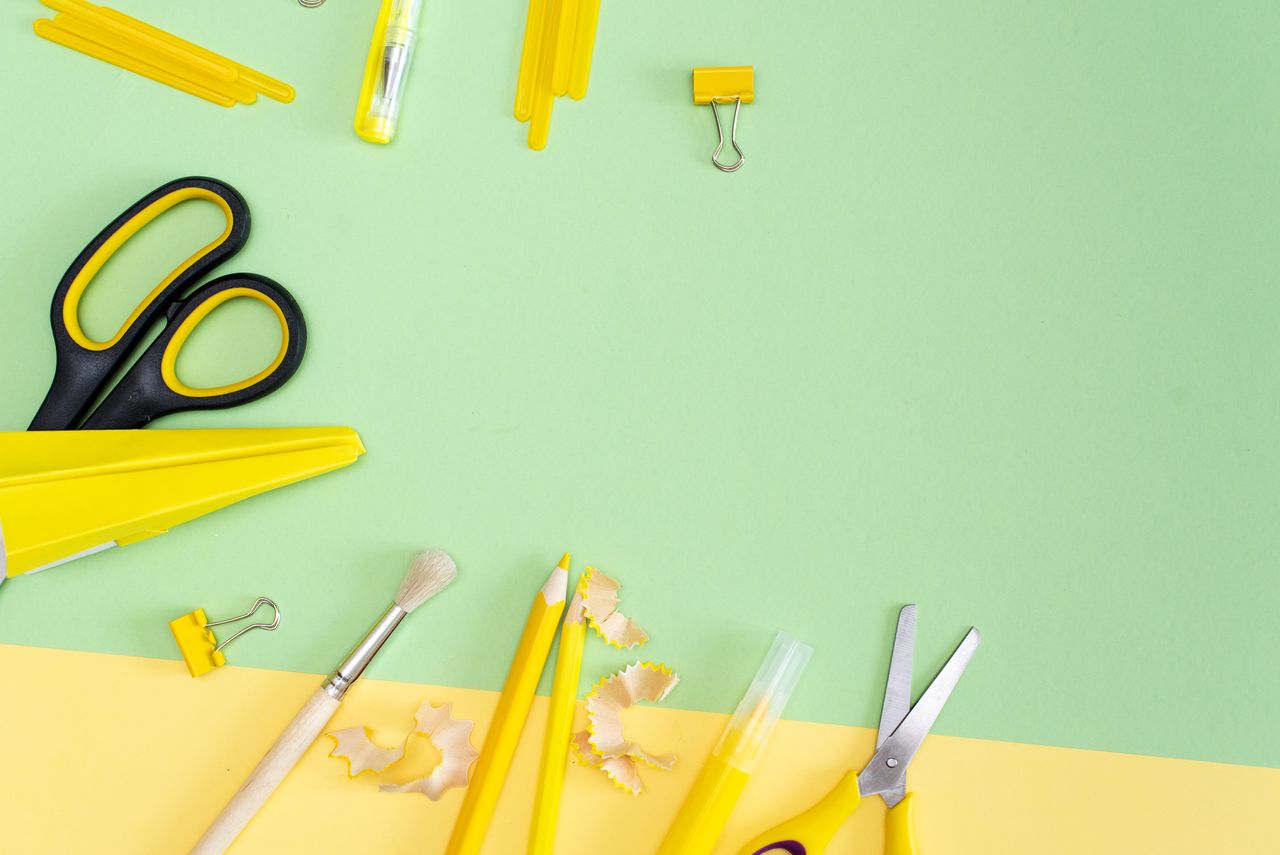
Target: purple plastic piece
[791,847]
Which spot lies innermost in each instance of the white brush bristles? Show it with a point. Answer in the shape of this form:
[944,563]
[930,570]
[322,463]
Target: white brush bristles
[429,574]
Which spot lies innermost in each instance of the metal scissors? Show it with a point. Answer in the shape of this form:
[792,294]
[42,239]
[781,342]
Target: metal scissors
[902,730]
[150,388]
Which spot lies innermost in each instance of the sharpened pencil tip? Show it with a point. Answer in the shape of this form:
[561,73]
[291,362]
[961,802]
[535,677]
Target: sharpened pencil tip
[564,562]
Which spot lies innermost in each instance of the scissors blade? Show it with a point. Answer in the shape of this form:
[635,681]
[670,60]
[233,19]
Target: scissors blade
[897,689]
[887,770]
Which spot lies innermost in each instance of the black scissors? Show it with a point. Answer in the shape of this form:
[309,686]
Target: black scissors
[151,388]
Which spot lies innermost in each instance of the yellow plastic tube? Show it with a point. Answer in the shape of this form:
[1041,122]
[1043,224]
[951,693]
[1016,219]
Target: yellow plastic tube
[555,747]
[706,809]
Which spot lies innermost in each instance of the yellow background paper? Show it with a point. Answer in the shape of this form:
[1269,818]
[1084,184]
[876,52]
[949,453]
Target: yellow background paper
[129,755]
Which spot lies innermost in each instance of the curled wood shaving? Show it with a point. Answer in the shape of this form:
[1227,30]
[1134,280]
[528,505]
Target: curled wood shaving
[450,736]
[600,602]
[603,745]
[361,753]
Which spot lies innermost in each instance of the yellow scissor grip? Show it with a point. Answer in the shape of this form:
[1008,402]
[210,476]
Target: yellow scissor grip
[169,361]
[900,828]
[815,827]
[71,306]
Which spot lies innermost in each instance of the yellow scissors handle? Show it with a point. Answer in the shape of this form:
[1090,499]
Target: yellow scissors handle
[900,828]
[810,833]
[85,366]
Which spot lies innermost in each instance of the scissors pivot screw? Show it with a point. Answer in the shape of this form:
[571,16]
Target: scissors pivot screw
[892,763]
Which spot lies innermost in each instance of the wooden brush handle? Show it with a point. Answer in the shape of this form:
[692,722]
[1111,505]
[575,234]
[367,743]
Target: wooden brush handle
[264,779]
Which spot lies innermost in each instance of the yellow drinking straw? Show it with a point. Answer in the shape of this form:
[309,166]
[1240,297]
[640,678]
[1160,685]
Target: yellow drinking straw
[508,720]
[707,808]
[555,748]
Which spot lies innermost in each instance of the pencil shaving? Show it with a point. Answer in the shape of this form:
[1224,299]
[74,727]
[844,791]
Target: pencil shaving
[623,771]
[600,602]
[603,744]
[452,738]
[361,753]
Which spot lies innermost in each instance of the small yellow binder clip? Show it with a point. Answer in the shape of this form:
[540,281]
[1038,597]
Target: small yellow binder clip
[728,84]
[200,648]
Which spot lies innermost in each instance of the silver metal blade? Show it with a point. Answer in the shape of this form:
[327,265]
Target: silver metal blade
[886,773]
[897,689]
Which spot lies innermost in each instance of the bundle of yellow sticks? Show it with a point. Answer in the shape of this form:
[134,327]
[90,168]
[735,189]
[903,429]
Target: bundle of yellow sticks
[125,42]
[559,38]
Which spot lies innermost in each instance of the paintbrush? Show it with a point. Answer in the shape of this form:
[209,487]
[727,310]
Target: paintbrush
[429,574]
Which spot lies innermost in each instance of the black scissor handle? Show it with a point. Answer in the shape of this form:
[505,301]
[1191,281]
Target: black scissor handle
[85,365]
[151,388]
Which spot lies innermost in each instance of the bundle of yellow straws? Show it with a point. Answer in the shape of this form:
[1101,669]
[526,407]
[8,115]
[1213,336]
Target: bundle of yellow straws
[559,38]
[128,43]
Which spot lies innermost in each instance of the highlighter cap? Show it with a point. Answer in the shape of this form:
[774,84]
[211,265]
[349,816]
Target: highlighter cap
[744,739]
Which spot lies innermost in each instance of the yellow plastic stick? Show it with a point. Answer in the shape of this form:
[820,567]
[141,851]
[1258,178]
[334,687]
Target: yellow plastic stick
[99,17]
[584,42]
[48,30]
[529,57]
[543,96]
[564,47]
[508,719]
[87,30]
[269,86]
[555,748]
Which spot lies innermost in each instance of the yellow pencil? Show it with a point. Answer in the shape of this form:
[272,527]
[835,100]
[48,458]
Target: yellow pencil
[555,748]
[508,720]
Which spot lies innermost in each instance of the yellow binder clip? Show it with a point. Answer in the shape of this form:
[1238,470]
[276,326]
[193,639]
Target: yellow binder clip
[728,84]
[200,648]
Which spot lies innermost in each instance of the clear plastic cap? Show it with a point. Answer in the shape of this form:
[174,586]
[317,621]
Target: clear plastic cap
[744,739]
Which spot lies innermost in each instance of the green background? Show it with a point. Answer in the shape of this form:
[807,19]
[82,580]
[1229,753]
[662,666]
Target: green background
[988,322]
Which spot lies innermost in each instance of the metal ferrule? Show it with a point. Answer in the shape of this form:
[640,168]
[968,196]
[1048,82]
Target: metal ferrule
[360,657]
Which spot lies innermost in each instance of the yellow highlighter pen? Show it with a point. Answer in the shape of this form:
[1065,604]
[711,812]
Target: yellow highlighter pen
[707,808]
[387,69]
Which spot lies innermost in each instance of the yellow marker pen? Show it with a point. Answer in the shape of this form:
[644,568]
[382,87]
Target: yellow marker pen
[387,69]
[706,809]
